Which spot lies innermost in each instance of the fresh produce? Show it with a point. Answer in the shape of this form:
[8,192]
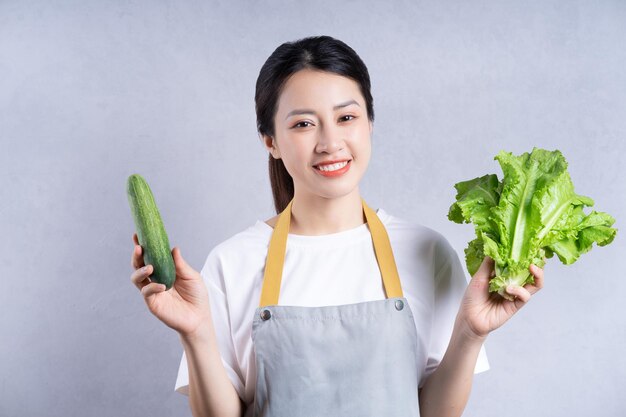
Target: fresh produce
[150,231]
[530,215]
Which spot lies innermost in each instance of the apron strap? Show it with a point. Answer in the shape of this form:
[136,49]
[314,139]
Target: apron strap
[278,246]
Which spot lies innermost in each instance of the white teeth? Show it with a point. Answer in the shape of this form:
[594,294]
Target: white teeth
[333,167]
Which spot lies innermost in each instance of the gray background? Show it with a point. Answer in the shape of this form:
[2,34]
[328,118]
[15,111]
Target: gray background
[91,92]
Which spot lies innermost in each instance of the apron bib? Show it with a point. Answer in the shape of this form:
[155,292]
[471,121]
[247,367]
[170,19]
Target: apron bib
[347,360]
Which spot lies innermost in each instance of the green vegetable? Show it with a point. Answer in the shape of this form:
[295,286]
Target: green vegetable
[150,231]
[529,216]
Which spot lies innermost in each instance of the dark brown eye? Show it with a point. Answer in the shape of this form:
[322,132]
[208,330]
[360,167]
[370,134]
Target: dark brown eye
[346,118]
[302,124]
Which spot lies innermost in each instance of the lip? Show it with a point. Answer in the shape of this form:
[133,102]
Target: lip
[331,162]
[337,173]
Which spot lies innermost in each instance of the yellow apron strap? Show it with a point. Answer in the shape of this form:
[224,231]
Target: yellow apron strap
[384,254]
[276,259]
[278,245]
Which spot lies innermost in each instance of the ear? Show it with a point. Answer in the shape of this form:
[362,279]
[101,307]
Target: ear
[271,146]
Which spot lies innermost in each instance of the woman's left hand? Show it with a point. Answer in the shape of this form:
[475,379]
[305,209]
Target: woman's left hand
[482,312]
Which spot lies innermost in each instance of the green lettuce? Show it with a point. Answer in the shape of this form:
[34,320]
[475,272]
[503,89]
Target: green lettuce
[532,214]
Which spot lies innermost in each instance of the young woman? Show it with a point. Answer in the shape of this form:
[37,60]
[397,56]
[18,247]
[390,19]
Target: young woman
[330,307]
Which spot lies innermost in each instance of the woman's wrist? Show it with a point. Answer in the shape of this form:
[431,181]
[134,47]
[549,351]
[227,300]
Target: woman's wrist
[202,335]
[463,333]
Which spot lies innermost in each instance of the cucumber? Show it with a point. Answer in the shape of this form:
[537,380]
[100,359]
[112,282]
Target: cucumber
[150,231]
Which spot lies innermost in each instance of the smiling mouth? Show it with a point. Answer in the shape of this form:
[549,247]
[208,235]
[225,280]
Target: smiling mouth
[337,170]
[332,167]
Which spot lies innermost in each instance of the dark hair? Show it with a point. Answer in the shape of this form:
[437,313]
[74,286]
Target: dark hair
[317,52]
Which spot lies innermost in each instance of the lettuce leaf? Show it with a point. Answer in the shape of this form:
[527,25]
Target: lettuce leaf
[532,214]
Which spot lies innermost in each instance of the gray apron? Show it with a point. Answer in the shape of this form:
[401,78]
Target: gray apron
[347,360]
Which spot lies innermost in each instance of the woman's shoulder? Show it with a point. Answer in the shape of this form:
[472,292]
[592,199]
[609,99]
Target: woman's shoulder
[411,237]
[247,243]
[403,228]
[418,243]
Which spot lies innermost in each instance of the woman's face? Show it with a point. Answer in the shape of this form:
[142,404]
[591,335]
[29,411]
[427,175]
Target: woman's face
[322,117]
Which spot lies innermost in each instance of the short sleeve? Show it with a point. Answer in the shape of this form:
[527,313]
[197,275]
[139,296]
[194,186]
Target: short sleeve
[450,285]
[212,274]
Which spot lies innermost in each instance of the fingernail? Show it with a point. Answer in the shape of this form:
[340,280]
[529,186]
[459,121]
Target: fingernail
[144,269]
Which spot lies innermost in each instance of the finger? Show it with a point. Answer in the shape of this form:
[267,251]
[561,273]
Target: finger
[485,270]
[486,267]
[141,276]
[182,267]
[136,259]
[519,293]
[135,239]
[538,275]
[152,288]
[479,284]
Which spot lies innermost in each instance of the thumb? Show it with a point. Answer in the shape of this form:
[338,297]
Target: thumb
[482,276]
[182,267]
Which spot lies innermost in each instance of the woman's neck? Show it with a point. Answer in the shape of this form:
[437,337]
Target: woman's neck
[314,215]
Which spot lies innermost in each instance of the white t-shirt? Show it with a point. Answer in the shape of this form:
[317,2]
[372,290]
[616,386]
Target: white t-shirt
[333,269]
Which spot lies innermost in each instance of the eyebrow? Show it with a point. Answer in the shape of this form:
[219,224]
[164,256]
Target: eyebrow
[309,111]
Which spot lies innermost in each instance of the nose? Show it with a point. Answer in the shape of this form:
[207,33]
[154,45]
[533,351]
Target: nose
[330,139]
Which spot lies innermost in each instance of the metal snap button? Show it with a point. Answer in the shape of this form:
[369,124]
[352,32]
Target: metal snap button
[266,315]
[399,305]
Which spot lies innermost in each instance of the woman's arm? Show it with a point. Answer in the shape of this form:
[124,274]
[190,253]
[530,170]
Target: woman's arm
[210,391]
[446,391]
[186,309]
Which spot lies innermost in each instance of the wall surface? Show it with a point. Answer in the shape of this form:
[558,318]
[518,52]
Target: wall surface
[91,92]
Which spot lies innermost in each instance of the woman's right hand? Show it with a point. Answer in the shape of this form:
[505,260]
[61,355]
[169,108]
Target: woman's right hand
[185,306]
